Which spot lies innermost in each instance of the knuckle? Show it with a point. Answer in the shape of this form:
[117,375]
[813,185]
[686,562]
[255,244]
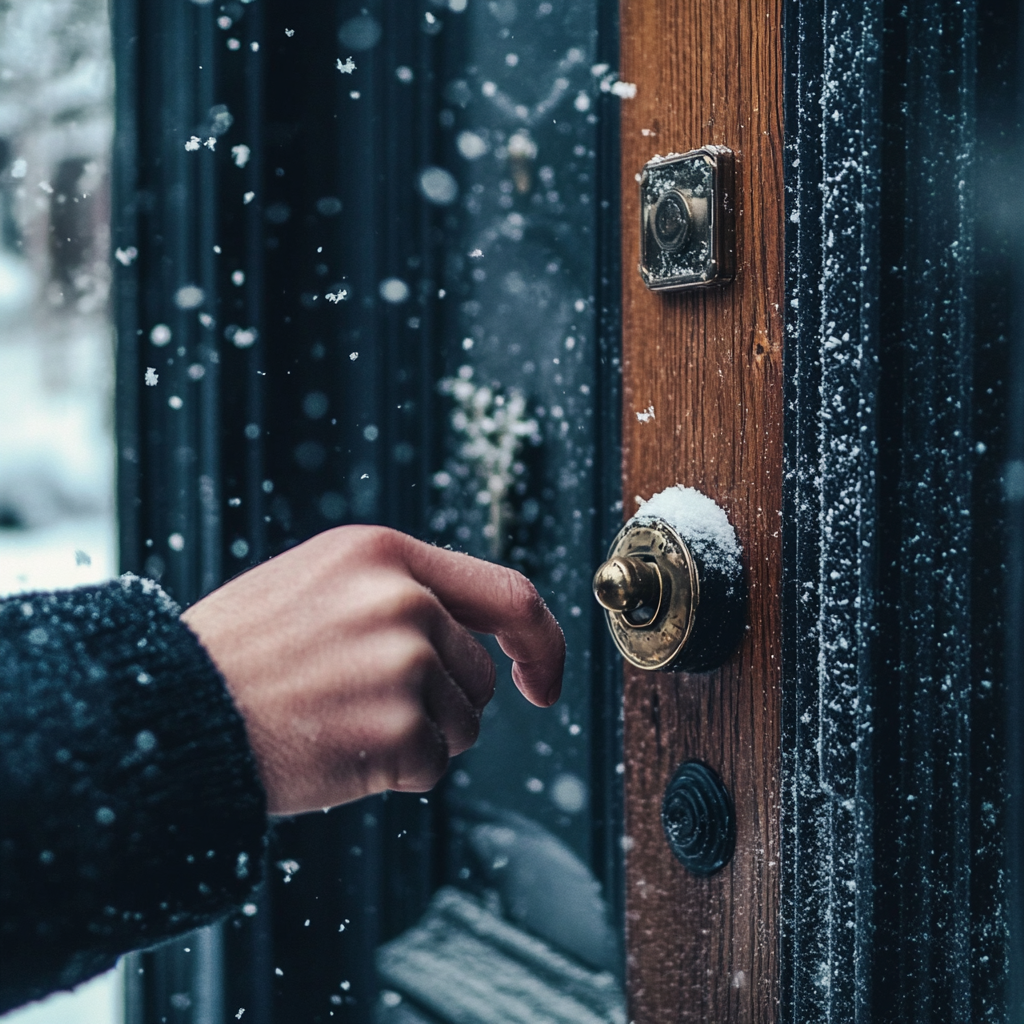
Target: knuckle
[360,543]
[396,604]
[423,757]
[380,543]
[342,541]
[463,728]
[407,729]
[412,603]
[418,663]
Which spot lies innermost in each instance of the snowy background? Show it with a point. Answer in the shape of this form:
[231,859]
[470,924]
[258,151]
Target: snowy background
[57,525]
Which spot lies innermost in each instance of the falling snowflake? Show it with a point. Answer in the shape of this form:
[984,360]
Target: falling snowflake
[289,32]
[240,154]
[346,67]
[338,296]
[248,198]
[647,415]
[210,143]
[289,867]
[151,376]
[126,257]
[193,144]
[241,337]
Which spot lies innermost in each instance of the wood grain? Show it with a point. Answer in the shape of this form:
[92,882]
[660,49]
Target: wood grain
[708,71]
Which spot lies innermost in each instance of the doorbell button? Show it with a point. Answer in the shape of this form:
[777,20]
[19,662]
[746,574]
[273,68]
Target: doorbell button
[687,220]
[699,819]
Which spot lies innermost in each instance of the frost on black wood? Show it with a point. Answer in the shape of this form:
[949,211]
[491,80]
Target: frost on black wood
[877,896]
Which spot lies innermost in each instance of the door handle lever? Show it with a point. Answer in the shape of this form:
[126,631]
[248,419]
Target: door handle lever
[672,588]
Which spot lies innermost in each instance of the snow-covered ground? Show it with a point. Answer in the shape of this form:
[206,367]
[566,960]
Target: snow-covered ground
[66,554]
[56,440]
[96,1002]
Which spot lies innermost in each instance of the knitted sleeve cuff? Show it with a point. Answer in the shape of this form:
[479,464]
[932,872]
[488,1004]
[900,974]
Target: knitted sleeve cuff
[130,805]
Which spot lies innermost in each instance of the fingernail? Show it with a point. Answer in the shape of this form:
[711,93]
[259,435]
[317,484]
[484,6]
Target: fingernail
[554,693]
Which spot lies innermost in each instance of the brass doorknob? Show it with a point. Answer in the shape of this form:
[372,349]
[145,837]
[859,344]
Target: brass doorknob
[672,587]
[630,586]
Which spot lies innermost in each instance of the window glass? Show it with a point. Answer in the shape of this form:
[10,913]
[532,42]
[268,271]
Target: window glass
[516,480]
[56,379]
[57,525]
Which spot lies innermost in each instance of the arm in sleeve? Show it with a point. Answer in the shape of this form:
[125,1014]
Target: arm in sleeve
[130,806]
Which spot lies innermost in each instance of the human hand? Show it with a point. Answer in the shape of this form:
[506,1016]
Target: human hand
[351,661]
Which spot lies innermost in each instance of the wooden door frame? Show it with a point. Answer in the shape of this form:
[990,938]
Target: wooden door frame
[710,363]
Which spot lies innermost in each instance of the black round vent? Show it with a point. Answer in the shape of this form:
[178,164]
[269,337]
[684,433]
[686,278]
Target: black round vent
[699,819]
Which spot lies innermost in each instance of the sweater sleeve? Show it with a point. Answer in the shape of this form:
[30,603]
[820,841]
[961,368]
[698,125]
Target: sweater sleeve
[130,806]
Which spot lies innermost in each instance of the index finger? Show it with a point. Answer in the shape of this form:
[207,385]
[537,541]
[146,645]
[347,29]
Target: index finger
[494,599]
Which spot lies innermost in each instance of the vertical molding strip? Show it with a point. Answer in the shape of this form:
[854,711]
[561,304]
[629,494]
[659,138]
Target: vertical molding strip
[891,907]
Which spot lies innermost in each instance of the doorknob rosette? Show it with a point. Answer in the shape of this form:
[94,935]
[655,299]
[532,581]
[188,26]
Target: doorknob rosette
[672,587]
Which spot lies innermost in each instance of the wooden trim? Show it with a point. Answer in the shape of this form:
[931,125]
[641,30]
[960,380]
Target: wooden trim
[707,72]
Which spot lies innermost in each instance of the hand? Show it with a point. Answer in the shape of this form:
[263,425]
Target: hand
[351,661]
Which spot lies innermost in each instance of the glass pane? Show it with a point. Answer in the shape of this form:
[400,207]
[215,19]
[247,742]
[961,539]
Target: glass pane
[520,379]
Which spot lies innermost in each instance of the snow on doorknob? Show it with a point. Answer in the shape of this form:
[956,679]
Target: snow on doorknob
[672,588]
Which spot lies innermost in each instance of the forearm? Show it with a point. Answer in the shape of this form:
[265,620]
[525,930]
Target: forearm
[130,806]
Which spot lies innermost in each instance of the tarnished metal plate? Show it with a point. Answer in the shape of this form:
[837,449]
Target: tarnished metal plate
[687,220]
[659,642]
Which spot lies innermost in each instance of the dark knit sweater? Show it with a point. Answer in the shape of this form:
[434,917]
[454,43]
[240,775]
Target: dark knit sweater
[130,807]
